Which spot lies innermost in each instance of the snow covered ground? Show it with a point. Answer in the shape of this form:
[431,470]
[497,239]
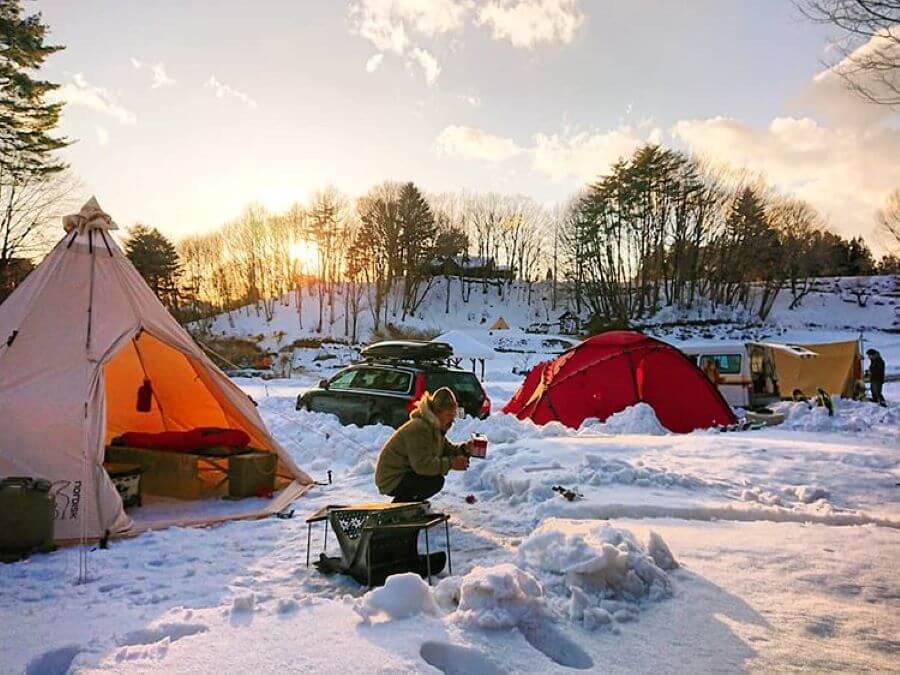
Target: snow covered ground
[762,550]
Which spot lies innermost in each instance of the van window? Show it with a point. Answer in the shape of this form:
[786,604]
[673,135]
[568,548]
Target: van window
[379,379]
[728,364]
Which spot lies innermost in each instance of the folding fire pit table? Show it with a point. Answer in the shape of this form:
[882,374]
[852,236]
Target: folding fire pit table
[378,540]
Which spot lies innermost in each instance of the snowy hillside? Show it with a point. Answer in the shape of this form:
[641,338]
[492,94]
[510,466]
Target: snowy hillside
[834,305]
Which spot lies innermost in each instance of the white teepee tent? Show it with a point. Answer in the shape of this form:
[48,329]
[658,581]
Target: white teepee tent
[77,339]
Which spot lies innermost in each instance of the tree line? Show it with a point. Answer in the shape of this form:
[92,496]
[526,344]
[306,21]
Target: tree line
[663,229]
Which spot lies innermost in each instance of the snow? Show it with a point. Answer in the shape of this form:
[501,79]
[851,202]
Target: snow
[639,418]
[402,596]
[763,550]
[465,346]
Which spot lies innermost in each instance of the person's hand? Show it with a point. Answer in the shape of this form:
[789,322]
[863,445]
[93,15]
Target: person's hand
[467,447]
[459,463]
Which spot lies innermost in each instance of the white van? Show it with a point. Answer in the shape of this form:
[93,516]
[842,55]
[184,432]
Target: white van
[744,371]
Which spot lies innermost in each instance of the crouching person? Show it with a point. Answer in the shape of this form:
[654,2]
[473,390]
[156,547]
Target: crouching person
[415,459]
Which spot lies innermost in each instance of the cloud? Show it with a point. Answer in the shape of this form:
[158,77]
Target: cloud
[527,23]
[80,92]
[471,143]
[845,172]
[581,156]
[472,99]
[585,155]
[102,136]
[157,70]
[428,63]
[373,62]
[222,90]
[403,27]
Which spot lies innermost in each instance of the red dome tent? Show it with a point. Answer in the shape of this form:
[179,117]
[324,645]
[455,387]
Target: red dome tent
[607,373]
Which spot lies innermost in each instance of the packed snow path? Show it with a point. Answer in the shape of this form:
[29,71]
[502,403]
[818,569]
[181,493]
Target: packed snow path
[529,593]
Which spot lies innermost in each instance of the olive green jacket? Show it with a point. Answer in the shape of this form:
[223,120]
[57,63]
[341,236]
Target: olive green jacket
[419,446]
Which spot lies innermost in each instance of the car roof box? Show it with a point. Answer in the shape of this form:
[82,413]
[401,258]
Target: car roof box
[407,350]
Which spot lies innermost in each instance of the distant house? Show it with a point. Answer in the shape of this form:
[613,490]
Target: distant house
[470,267]
[569,323]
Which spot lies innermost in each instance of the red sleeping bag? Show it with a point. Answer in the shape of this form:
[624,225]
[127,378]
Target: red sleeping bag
[201,437]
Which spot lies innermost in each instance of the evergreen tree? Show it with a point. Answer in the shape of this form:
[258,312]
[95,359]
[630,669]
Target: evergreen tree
[417,240]
[156,259]
[26,117]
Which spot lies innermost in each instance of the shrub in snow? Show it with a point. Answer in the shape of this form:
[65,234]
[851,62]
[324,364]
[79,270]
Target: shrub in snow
[402,596]
[501,596]
[601,566]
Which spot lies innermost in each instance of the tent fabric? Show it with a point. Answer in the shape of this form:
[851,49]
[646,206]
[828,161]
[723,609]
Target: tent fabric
[78,338]
[836,369]
[612,371]
[465,346]
[500,324]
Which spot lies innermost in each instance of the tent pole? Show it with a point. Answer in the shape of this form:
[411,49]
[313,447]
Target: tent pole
[90,311]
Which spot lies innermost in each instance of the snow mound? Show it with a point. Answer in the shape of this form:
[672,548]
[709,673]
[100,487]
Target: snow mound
[849,416]
[601,562]
[639,418]
[402,596]
[495,597]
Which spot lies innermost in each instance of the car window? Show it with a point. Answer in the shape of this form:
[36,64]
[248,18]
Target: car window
[382,379]
[342,380]
[728,364]
[460,383]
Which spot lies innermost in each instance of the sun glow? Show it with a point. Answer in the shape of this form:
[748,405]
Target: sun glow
[305,253]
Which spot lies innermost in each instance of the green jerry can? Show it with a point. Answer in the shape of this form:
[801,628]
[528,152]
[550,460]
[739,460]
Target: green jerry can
[26,517]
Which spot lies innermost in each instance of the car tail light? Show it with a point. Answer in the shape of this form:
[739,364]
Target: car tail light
[418,391]
[485,407]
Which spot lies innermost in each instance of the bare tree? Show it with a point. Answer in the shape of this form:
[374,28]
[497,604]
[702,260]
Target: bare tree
[870,50]
[888,219]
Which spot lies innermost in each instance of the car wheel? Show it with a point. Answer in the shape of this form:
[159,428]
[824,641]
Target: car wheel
[377,418]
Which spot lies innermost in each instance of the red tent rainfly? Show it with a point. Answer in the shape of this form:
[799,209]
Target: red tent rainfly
[612,371]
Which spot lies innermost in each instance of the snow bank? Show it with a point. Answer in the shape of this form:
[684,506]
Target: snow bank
[639,418]
[402,596]
[501,596]
[849,417]
[598,560]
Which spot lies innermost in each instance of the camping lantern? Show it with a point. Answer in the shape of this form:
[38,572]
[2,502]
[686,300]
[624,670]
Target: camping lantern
[145,397]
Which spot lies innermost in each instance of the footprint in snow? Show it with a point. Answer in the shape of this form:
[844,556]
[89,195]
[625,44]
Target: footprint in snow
[53,662]
[552,643]
[458,660]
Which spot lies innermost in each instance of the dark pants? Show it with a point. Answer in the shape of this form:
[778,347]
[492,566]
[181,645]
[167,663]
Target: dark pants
[415,487]
[877,396]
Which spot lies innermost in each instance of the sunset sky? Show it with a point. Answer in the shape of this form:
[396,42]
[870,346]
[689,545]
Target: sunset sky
[186,111]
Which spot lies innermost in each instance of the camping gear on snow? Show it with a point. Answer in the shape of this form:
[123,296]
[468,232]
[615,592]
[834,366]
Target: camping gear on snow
[78,338]
[251,475]
[27,506]
[193,439]
[204,473]
[609,372]
[570,495]
[746,372]
[479,446]
[127,479]
[837,368]
[500,324]
[378,540]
